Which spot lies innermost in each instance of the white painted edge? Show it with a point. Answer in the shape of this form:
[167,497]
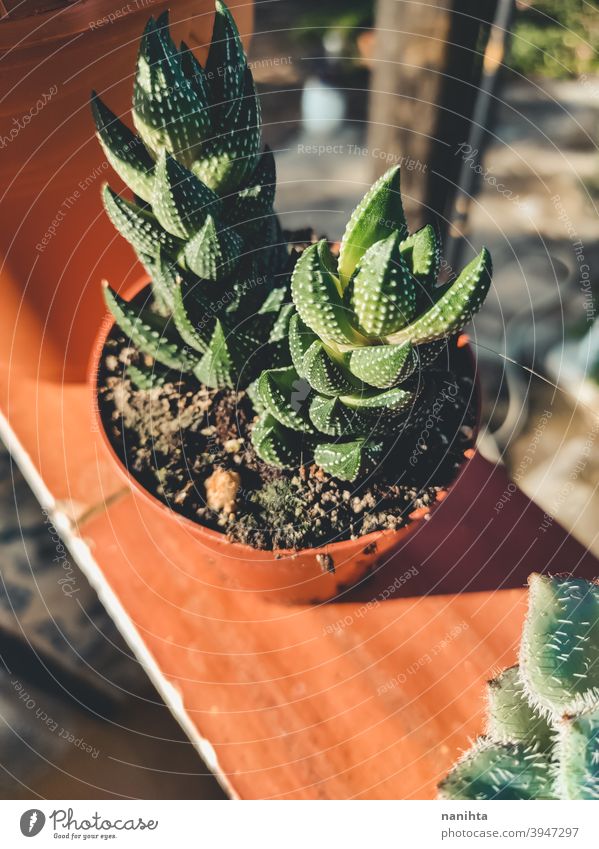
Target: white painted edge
[85,560]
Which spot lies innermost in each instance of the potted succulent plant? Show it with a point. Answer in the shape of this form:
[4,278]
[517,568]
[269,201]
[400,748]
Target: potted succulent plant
[296,407]
[542,737]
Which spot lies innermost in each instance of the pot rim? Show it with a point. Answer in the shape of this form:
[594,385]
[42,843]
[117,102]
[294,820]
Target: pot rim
[197,528]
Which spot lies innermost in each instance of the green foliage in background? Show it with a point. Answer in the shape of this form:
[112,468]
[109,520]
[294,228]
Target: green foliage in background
[556,38]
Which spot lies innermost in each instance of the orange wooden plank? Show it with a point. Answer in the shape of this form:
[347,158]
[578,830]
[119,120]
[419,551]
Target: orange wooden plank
[334,701]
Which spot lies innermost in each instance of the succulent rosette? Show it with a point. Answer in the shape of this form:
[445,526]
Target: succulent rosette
[366,330]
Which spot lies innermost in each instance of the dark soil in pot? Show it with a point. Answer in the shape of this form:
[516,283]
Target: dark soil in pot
[176,436]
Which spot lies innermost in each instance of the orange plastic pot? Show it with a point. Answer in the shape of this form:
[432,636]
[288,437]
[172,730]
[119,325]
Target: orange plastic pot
[283,576]
[55,240]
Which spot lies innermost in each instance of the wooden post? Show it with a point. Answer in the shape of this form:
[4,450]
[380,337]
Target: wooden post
[425,72]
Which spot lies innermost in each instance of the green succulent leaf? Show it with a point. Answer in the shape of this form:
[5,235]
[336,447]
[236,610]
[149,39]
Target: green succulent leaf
[187,329]
[137,225]
[333,417]
[277,445]
[511,717]
[349,460]
[211,254]
[284,395]
[253,204]
[422,254]
[384,366]
[124,150]
[317,296]
[146,378]
[195,74]
[226,65]
[578,757]
[455,305]
[300,340]
[216,368]
[559,655]
[378,215]
[229,158]
[383,291]
[499,771]
[149,333]
[180,201]
[166,112]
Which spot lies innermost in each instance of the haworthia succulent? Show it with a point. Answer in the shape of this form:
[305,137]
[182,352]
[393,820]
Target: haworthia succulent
[368,327]
[204,192]
[559,655]
[543,715]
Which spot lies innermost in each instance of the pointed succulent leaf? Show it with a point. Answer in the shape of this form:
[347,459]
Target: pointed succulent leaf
[137,225]
[195,74]
[499,771]
[559,654]
[277,445]
[317,297]
[384,366]
[382,412]
[379,213]
[454,307]
[124,150]
[149,333]
[226,64]
[164,278]
[386,404]
[144,377]
[211,254]
[284,396]
[578,757]
[422,254]
[180,201]
[383,291]
[166,111]
[511,717]
[348,460]
[216,368]
[280,328]
[252,204]
[185,326]
[300,339]
[333,417]
[326,371]
[229,158]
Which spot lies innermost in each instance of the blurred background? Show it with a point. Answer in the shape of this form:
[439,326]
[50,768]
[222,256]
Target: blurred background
[492,108]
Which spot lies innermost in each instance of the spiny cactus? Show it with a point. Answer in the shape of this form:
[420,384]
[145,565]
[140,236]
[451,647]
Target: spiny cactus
[542,739]
[202,222]
[367,326]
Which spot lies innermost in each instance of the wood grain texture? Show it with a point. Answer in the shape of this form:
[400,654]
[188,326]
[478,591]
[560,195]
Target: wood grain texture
[373,696]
